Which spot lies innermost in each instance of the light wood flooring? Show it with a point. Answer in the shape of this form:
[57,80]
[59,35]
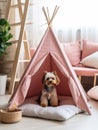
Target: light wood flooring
[78,122]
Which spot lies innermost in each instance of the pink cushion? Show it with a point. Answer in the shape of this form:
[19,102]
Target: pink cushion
[85,71]
[91,60]
[93,93]
[89,48]
[73,52]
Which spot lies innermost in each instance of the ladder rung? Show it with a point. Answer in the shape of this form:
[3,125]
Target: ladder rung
[17,79]
[16,5]
[19,23]
[23,61]
[30,4]
[15,41]
[15,24]
[25,40]
[9,79]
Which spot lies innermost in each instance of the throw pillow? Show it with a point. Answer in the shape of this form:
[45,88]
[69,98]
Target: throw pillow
[91,60]
[89,48]
[93,93]
[73,52]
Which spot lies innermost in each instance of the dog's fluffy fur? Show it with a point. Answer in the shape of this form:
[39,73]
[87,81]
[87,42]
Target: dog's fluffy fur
[49,95]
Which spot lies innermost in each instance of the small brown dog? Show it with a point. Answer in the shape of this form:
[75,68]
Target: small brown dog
[49,95]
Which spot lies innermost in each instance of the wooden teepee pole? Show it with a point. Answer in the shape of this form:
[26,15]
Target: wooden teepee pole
[47,16]
[45,13]
[54,14]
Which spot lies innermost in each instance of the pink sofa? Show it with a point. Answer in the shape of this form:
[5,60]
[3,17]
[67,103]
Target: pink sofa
[82,51]
[78,51]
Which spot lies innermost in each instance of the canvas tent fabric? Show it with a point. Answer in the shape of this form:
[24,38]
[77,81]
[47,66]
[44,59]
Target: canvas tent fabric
[50,56]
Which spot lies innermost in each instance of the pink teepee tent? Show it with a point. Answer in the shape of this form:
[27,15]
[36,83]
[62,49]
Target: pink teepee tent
[50,56]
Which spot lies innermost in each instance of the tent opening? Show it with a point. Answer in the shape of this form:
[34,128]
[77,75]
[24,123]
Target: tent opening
[36,80]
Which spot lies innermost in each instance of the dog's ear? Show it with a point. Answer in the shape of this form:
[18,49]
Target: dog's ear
[57,78]
[43,78]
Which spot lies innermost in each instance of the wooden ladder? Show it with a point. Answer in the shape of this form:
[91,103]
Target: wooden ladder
[22,39]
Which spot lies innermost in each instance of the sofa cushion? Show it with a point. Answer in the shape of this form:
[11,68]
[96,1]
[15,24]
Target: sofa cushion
[85,71]
[89,48]
[93,92]
[91,60]
[73,52]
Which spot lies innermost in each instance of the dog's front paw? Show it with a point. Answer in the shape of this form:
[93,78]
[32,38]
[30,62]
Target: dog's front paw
[43,105]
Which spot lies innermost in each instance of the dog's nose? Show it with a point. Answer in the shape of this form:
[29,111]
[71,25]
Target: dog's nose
[50,81]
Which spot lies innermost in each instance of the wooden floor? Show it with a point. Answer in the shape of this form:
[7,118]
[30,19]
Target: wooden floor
[78,122]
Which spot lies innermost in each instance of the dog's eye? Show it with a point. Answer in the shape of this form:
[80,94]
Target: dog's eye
[52,78]
[47,78]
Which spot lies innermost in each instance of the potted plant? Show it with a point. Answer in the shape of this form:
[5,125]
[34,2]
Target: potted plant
[5,36]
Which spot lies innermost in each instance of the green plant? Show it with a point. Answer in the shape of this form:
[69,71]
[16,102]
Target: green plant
[5,36]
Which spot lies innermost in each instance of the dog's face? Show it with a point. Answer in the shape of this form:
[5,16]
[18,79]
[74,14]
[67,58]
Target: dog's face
[50,79]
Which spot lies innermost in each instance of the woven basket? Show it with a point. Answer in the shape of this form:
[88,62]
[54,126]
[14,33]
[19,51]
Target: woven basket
[10,117]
